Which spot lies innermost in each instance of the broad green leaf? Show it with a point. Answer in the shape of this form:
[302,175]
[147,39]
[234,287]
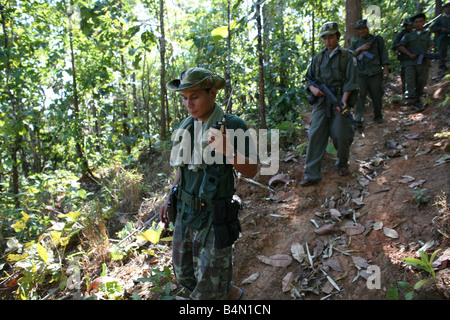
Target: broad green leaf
[404,285]
[42,252]
[420,283]
[16,257]
[82,193]
[221,32]
[22,223]
[150,235]
[392,293]
[56,235]
[64,241]
[415,262]
[409,295]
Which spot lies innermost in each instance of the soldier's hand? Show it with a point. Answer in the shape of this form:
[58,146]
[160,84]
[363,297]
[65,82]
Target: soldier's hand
[163,213]
[339,108]
[365,46]
[316,91]
[413,56]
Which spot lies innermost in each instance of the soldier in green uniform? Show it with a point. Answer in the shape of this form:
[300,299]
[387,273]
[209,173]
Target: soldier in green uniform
[416,67]
[442,29]
[206,223]
[335,67]
[373,62]
[407,25]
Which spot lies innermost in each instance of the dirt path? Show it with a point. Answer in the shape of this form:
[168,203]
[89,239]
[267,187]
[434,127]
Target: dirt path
[396,160]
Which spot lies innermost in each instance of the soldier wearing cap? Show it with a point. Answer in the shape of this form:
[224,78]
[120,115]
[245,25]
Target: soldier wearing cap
[202,245]
[407,26]
[442,29]
[373,62]
[335,67]
[416,68]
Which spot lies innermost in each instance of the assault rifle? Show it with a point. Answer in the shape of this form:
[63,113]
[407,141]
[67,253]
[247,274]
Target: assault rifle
[342,109]
[425,55]
[366,53]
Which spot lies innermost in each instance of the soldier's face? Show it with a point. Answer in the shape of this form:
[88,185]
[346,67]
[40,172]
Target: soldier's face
[363,32]
[447,10]
[330,41]
[199,102]
[418,23]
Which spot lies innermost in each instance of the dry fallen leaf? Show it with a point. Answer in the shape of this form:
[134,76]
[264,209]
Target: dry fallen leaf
[298,252]
[251,278]
[326,228]
[286,284]
[417,184]
[335,213]
[391,233]
[277,260]
[360,262]
[442,261]
[377,225]
[352,228]
[282,177]
[333,264]
[406,179]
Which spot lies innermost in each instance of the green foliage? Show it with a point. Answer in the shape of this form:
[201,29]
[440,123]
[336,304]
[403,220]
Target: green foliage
[424,263]
[393,292]
[40,256]
[80,94]
[420,197]
[162,281]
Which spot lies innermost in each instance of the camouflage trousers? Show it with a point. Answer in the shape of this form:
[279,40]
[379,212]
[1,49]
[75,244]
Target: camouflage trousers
[321,128]
[416,79]
[199,267]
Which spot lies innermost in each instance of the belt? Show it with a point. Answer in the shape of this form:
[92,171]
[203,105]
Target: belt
[195,202]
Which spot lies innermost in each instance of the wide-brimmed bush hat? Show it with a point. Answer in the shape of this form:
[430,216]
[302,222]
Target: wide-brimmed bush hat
[196,78]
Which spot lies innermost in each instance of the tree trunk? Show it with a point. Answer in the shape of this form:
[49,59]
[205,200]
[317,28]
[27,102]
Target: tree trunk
[282,70]
[353,13]
[85,170]
[162,52]
[228,89]
[14,108]
[262,105]
[126,131]
[313,35]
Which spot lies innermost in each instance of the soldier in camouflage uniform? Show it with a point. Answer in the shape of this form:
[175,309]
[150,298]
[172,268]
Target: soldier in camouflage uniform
[407,25]
[202,263]
[373,62]
[335,67]
[416,67]
[442,29]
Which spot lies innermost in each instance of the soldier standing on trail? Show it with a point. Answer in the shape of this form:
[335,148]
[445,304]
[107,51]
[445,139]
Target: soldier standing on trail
[416,67]
[206,223]
[442,29]
[336,68]
[407,27]
[373,62]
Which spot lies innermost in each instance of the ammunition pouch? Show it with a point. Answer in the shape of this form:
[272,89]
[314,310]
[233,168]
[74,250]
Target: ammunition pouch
[172,205]
[226,221]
